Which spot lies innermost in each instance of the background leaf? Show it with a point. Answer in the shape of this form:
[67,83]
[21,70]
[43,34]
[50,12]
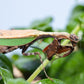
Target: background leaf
[47,81]
[6,75]
[17,81]
[42,25]
[5,63]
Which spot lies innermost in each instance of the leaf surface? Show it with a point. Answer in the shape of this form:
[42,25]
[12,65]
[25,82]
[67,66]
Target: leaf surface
[47,81]
[6,75]
[15,41]
[17,81]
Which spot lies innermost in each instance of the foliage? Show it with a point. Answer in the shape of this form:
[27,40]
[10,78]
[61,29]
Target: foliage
[47,81]
[42,25]
[17,81]
[5,63]
[77,17]
[15,41]
[6,75]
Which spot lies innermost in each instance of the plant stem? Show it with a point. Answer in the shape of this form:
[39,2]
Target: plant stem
[46,61]
[39,69]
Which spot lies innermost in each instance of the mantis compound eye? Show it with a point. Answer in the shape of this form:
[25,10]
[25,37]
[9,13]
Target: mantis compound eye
[74,39]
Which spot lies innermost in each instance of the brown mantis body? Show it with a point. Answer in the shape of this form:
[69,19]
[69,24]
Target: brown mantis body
[55,47]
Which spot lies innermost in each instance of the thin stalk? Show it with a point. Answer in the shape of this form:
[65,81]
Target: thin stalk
[38,70]
[46,61]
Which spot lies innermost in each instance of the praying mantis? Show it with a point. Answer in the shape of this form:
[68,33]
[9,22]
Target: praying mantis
[54,48]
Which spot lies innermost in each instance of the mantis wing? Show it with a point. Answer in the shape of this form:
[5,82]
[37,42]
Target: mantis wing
[17,37]
[21,37]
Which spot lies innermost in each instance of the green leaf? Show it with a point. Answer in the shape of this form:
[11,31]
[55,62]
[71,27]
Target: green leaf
[15,57]
[16,42]
[81,43]
[77,17]
[44,28]
[78,79]
[47,81]
[27,64]
[1,81]
[5,62]
[42,25]
[53,70]
[17,81]
[73,66]
[78,8]
[6,75]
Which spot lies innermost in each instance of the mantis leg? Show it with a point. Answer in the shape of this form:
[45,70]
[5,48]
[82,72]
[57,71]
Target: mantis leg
[24,47]
[65,49]
[37,53]
[6,49]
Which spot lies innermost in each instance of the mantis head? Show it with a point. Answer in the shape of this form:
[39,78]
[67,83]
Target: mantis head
[74,39]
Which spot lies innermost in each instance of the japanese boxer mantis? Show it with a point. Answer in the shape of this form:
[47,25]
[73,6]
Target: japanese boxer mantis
[54,48]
